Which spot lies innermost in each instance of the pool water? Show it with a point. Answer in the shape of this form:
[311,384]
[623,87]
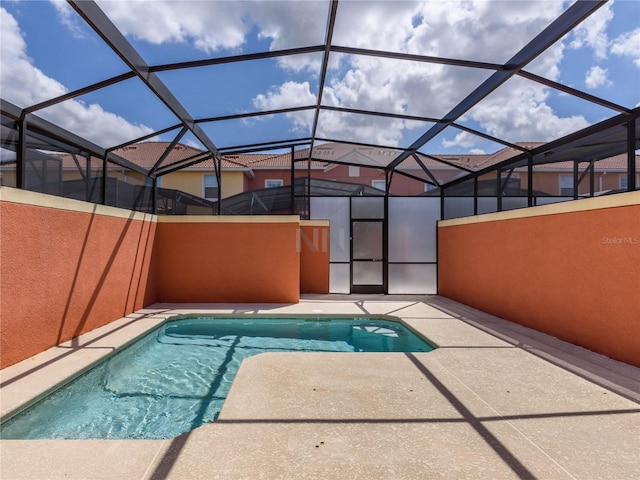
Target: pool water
[177,377]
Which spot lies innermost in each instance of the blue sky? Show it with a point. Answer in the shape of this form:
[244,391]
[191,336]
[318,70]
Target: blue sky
[47,50]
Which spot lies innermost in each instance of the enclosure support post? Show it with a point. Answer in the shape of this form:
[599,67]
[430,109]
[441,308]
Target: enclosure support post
[308,199]
[219,177]
[103,196]
[21,154]
[631,155]
[499,189]
[293,178]
[154,195]
[88,178]
[576,180]
[475,194]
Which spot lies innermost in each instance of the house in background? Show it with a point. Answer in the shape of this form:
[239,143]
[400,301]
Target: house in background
[352,164]
[240,173]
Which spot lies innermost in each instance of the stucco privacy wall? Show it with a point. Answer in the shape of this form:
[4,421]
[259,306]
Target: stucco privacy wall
[314,256]
[67,267]
[571,270]
[227,259]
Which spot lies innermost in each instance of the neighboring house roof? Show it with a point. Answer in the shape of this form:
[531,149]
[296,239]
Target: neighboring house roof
[465,161]
[617,162]
[279,160]
[146,154]
[505,154]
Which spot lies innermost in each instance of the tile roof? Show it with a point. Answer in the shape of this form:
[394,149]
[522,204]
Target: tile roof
[146,154]
[279,160]
[468,161]
[617,162]
[505,154]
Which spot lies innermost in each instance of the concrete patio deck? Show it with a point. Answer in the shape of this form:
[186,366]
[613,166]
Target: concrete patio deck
[495,400]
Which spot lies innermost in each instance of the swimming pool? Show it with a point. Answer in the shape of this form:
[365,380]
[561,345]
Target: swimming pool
[176,378]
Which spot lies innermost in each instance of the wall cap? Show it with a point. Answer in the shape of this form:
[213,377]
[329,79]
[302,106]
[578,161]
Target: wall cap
[26,197]
[229,219]
[581,205]
[314,223]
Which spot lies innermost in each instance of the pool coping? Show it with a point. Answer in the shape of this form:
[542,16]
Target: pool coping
[479,358]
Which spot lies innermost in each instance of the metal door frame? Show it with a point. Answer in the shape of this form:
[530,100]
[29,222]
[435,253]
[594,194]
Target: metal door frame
[370,289]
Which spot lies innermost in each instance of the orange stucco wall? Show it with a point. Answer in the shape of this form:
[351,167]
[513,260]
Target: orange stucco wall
[66,272]
[68,267]
[220,260]
[574,275]
[314,257]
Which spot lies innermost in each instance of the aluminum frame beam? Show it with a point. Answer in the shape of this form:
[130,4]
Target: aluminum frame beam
[331,20]
[179,165]
[146,137]
[237,58]
[573,91]
[359,144]
[258,147]
[444,162]
[81,91]
[621,120]
[104,27]
[109,33]
[167,151]
[237,116]
[52,134]
[417,58]
[400,116]
[575,14]
[426,170]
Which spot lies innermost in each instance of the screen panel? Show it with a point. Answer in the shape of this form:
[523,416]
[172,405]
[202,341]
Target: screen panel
[367,207]
[412,229]
[336,210]
[455,207]
[413,278]
[367,273]
[367,240]
[339,278]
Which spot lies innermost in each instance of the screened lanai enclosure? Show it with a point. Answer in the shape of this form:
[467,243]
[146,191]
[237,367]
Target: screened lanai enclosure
[434,110]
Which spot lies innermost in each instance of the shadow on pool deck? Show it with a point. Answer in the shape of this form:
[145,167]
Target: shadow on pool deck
[496,400]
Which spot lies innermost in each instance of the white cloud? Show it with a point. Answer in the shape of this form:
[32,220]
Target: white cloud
[462,30]
[68,18]
[209,26]
[477,151]
[23,84]
[480,30]
[628,44]
[291,24]
[360,128]
[289,94]
[17,74]
[593,31]
[597,77]
[462,139]
[518,111]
